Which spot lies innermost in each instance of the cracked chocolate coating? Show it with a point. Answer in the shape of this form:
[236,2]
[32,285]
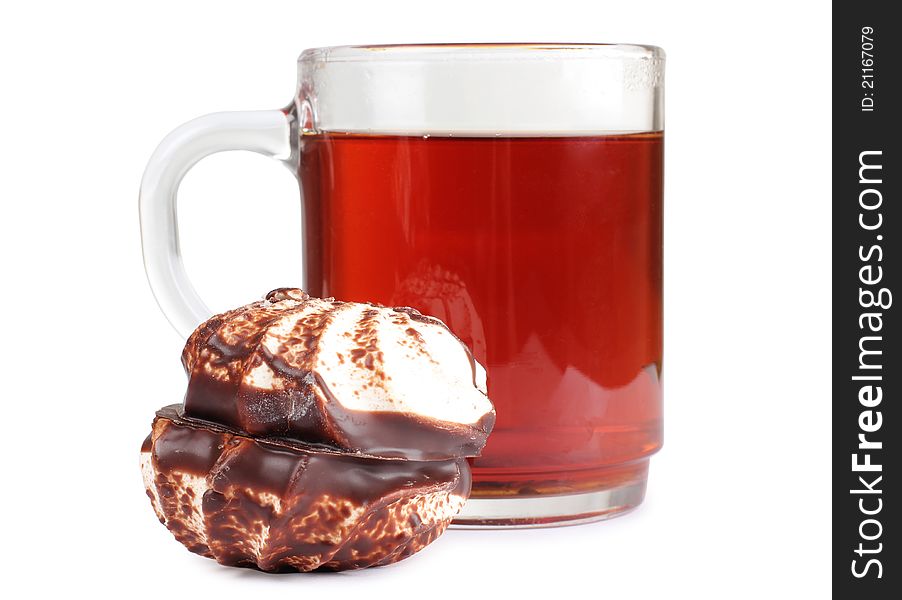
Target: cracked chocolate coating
[280,505]
[263,467]
[221,353]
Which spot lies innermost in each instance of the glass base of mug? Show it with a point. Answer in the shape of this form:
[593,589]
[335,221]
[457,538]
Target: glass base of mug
[549,511]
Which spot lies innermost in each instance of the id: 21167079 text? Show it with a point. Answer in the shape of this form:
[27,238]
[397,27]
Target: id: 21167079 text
[868,98]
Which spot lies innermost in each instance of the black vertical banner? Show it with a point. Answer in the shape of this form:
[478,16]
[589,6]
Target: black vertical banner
[867,300]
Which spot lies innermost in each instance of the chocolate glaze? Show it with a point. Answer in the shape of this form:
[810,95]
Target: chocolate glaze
[286,505]
[221,351]
[398,435]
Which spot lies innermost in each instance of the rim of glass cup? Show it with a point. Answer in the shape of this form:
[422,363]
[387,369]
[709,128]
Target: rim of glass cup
[481,51]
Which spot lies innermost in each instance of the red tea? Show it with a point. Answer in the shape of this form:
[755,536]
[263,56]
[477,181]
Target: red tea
[543,254]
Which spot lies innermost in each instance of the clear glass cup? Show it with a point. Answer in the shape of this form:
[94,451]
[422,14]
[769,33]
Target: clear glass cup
[512,190]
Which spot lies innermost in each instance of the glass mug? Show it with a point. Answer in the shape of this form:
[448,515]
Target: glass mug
[513,191]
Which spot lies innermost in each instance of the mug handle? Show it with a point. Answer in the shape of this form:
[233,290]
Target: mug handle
[266,132]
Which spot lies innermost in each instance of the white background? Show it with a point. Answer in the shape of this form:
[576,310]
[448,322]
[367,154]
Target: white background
[738,503]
